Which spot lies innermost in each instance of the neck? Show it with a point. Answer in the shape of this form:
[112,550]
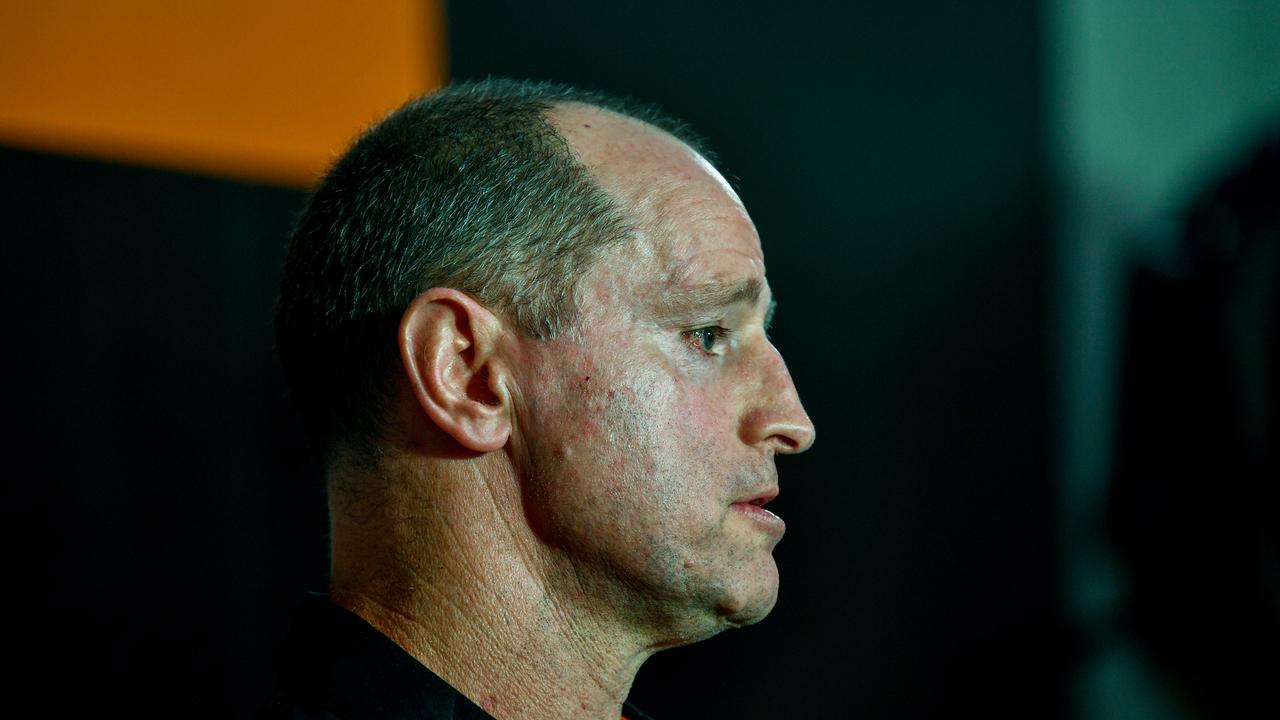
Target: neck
[449,570]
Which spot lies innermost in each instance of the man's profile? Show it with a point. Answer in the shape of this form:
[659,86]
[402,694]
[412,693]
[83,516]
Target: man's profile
[526,325]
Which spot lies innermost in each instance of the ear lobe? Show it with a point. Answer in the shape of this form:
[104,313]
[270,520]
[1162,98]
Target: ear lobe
[447,343]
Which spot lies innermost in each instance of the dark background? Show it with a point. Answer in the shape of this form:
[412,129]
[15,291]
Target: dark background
[896,160]
[891,160]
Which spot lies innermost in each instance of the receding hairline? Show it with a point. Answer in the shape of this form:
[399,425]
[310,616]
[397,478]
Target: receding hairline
[371,235]
[640,166]
[572,119]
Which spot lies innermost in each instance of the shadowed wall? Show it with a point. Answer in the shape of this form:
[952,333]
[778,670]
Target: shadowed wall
[892,161]
[891,158]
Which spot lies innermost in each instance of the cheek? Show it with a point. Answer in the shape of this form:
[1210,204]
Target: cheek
[590,439]
[669,447]
[631,445]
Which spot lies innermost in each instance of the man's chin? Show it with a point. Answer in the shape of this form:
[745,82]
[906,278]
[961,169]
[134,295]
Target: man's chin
[745,599]
[750,602]
[733,610]
[728,616]
[750,613]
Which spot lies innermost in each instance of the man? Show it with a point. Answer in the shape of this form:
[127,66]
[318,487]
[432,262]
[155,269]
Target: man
[526,324]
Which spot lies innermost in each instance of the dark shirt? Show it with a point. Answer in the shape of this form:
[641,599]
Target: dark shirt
[338,667]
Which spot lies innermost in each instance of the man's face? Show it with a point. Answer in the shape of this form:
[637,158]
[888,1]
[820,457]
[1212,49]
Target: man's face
[648,436]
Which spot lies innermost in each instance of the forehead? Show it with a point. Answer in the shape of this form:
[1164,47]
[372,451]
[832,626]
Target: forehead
[691,225]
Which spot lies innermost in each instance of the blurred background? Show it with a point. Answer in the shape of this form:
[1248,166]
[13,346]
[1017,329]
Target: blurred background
[1027,262]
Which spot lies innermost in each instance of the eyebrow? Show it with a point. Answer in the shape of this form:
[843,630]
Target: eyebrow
[712,295]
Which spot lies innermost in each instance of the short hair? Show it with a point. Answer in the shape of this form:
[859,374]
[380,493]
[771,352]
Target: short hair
[470,188]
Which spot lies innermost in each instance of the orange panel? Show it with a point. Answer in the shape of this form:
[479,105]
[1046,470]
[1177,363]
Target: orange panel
[268,90]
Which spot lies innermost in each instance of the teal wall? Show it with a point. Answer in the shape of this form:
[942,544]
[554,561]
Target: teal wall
[1146,102]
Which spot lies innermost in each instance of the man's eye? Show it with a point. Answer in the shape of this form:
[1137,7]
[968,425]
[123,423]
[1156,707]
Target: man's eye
[708,339]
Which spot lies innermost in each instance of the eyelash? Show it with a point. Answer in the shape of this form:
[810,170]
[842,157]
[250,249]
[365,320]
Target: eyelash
[718,336]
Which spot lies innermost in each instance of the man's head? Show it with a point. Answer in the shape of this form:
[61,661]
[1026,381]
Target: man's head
[596,340]
[470,188]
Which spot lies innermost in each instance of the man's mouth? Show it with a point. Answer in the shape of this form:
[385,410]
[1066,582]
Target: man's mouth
[754,509]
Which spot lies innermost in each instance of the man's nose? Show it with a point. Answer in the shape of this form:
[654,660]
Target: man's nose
[775,417]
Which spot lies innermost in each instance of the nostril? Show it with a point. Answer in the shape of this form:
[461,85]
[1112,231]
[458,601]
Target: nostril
[793,439]
[780,433]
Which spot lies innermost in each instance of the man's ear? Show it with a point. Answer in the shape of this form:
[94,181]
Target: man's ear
[447,343]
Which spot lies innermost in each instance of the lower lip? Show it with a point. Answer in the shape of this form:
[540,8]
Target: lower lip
[763,517]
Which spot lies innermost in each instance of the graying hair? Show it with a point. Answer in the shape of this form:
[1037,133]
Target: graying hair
[471,188]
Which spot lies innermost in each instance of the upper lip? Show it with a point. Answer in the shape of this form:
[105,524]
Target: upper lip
[761,498]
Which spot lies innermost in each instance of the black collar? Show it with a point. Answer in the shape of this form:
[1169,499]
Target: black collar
[339,667]
[336,665]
